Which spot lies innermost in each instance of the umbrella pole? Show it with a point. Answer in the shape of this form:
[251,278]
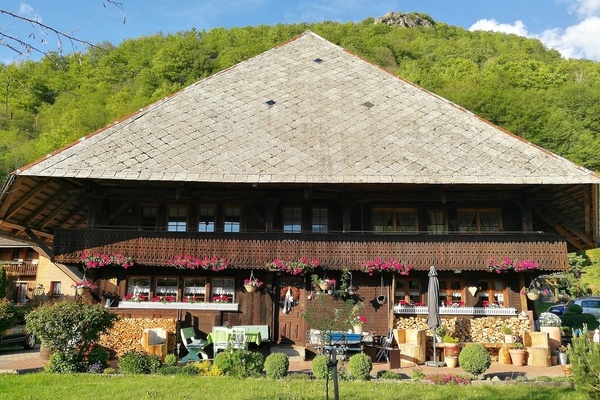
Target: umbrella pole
[435,362]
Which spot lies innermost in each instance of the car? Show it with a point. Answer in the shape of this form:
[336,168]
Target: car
[558,309]
[590,305]
[18,335]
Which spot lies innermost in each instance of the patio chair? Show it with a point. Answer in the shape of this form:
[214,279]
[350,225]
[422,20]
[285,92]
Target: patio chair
[412,344]
[194,346]
[385,346]
[220,337]
[237,338]
[537,345]
[154,341]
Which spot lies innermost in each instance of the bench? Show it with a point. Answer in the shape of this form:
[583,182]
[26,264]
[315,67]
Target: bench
[393,354]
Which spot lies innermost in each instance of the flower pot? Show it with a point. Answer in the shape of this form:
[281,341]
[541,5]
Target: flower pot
[358,328]
[451,350]
[324,286]
[554,336]
[533,296]
[566,368]
[83,291]
[562,358]
[250,288]
[509,339]
[517,357]
[451,361]
[45,352]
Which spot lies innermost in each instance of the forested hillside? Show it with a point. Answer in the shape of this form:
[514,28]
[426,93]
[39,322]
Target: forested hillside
[512,81]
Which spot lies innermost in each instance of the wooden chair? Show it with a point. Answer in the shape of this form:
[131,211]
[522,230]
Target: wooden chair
[385,346]
[194,346]
[412,344]
[154,341]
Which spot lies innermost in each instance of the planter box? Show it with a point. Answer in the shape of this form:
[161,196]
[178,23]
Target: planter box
[179,306]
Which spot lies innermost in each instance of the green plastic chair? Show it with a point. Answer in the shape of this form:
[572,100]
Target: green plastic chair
[194,346]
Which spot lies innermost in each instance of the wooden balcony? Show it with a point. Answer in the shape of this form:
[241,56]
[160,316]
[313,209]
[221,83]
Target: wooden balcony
[335,250]
[20,268]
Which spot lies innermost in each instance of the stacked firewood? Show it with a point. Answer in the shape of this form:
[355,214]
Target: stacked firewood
[126,334]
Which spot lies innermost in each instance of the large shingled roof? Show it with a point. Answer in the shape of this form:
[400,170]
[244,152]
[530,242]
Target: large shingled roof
[308,112]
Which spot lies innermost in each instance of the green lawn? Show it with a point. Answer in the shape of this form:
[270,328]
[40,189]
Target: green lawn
[141,387]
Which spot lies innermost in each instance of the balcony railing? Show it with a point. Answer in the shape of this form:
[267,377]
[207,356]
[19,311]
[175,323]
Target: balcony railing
[253,250]
[457,310]
[19,268]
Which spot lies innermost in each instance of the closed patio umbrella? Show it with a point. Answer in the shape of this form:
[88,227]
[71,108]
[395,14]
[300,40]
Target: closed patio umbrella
[433,310]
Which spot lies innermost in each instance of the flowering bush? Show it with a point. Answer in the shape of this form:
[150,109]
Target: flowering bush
[220,299]
[99,260]
[185,261]
[84,284]
[304,264]
[358,320]
[535,291]
[136,297]
[549,319]
[506,264]
[164,299]
[253,282]
[385,266]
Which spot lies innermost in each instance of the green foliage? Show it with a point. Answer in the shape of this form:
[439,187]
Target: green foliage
[135,362]
[277,365]
[99,355]
[417,374]
[170,359]
[578,321]
[69,325]
[240,363]
[206,368]
[326,315]
[387,374]
[319,366]
[8,315]
[360,366]
[474,359]
[450,339]
[65,362]
[3,283]
[574,309]
[585,364]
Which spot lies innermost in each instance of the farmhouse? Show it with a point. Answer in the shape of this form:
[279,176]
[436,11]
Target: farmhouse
[303,161]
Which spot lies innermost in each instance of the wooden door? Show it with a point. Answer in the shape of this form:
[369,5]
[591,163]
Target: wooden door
[291,311]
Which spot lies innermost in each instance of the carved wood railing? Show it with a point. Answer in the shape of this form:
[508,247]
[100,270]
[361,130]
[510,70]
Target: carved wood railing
[19,268]
[256,250]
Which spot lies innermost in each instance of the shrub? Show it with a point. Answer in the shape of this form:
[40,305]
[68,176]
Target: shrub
[389,375]
[188,369]
[169,370]
[240,363]
[474,359]
[319,366]
[99,355]
[110,371]
[65,362]
[206,368]
[585,363]
[135,362]
[450,339]
[444,379]
[8,315]
[574,309]
[578,321]
[360,366]
[417,374]
[277,365]
[69,325]
[170,360]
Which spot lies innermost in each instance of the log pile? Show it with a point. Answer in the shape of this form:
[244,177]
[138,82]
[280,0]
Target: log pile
[126,334]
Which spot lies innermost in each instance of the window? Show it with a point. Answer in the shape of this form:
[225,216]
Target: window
[55,289]
[408,291]
[292,220]
[436,222]
[450,292]
[394,220]
[177,220]
[206,219]
[195,288]
[319,220]
[139,285]
[16,254]
[491,292]
[148,217]
[222,290]
[166,286]
[479,221]
[232,219]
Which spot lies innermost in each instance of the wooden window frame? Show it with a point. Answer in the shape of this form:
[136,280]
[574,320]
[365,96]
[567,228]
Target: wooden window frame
[394,210]
[478,224]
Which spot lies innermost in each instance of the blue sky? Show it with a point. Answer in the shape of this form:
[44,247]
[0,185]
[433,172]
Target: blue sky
[570,26]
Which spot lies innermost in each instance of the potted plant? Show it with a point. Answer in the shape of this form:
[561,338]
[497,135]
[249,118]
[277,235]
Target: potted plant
[508,334]
[562,355]
[252,284]
[358,323]
[551,323]
[84,287]
[451,347]
[517,354]
[323,283]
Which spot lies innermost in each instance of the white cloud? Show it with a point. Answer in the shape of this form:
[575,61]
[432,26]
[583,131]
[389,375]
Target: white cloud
[25,9]
[584,8]
[518,28]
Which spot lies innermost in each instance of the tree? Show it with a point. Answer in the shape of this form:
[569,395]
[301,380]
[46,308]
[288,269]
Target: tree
[26,47]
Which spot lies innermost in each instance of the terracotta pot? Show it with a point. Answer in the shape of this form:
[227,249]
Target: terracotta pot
[45,352]
[250,288]
[451,361]
[518,357]
[451,350]
[554,336]
[566,369]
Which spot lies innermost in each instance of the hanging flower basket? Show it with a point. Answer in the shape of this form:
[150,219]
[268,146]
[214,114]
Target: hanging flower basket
[381,299]
[250,288]
[251,284]
[533,296]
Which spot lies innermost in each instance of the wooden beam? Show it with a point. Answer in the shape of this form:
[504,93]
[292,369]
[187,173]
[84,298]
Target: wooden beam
[118,211]
[56,211]
[47,252]
[554,217]
[26,198]
[44,206]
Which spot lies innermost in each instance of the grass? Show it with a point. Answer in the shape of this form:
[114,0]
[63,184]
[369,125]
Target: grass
[141,387]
